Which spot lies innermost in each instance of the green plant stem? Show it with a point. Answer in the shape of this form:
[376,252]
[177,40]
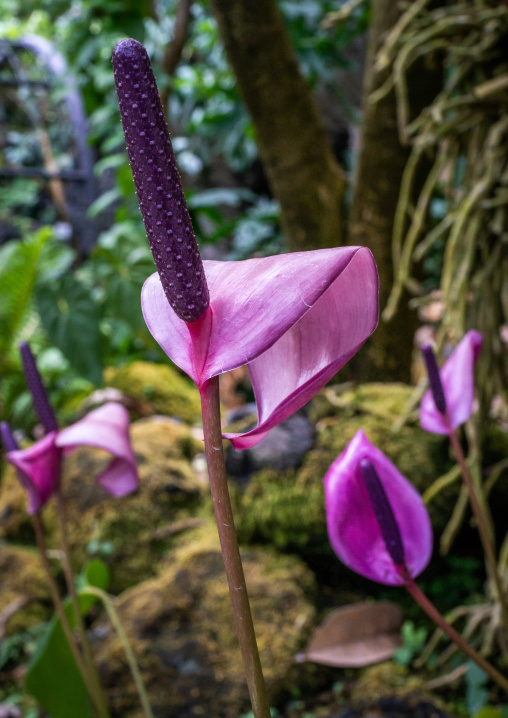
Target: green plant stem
[60,611]
[97,692]
[431,611]
[131,658]
[483,528]
[210,408]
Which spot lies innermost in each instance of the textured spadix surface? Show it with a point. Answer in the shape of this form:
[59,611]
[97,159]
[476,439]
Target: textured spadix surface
[157,182]
[295,319]
[353,528]
[457,379]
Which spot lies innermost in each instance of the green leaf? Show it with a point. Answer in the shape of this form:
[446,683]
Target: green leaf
[476,693]
[95,573]
[53,677]
[19,265]
[69,316]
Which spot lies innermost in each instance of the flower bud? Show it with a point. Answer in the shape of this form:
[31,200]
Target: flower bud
[157,183]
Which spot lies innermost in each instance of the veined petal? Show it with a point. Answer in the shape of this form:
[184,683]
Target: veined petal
[106,428]
[296,319]
[38,470]
[457,377]
[353,529]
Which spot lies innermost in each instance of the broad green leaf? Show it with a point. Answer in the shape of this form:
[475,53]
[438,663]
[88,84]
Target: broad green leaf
[69,316]
[53,677]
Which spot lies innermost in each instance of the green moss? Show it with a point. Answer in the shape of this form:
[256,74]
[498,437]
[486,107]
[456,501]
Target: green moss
[288,510]
[22,576]
[180,625]
[159,388]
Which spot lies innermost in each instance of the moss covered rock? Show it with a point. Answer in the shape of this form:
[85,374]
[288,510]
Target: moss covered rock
[131,533]
[22,576]
[287,509]
[159,388]
[181,628]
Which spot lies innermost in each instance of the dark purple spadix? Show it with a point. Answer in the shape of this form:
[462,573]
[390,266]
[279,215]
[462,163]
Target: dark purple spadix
[157,183]
[384,512]
[40,398]
[435,383]
[8,439]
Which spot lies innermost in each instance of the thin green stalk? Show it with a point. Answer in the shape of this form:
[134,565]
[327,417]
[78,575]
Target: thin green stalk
[483,527]
[97,692]
[60,611]
[210,408]
[131,658]
[462,644]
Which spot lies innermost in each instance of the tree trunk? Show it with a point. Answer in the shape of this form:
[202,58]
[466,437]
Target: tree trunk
[293,143]
[381,163]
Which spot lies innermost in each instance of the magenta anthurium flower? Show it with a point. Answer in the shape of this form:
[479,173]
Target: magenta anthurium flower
[295,319]
[39,466]
[377,522]
[105,428]
[449,401]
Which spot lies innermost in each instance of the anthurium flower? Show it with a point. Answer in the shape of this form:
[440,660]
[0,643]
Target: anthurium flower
[295,319]
[39,466]
[449,401]
[105,428]
[377,522]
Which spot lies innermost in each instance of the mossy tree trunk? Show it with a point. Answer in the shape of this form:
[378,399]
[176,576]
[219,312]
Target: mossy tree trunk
[293,143]
[380,167]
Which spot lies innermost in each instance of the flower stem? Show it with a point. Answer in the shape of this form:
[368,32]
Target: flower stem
[431,611]
[97,692]
[131,658]
[483,527]
[60,611]
[210,408]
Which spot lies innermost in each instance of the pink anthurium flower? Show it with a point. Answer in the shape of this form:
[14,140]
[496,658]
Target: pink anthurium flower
[295,319]
[377,522]
[39,466]
[449,401]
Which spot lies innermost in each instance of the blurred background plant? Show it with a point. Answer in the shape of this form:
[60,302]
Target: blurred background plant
[74,293]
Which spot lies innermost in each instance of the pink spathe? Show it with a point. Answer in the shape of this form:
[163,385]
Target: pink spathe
[353,527]
[106,428]
[457,378]
[294,319]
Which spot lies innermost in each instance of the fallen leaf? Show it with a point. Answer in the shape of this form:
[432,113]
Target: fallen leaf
[356,635]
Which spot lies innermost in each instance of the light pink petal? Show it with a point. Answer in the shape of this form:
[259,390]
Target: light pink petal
[106,428]
[295,319]
[457,377]
[38,470]
[352,525]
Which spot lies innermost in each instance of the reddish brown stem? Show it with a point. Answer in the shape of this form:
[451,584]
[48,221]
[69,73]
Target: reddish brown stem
[55,596]
[210,408]
[459,641]
[483,527]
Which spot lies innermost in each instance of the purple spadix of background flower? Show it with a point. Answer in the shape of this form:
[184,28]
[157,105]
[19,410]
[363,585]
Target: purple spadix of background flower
[457,385]
[157,183]
[377,523]
[295,319]
[39,466]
